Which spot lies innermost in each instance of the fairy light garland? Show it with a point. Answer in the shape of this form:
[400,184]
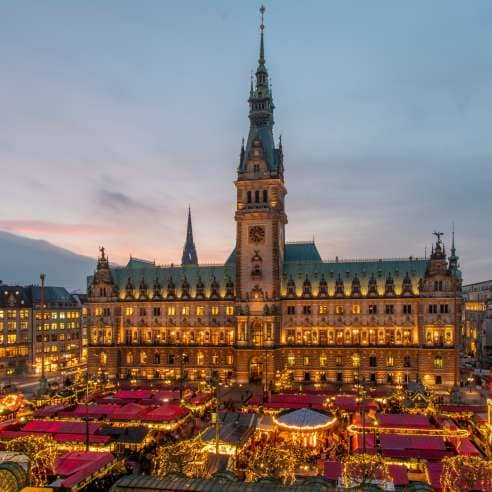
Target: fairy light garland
[279,461]
[186,457]
[360,469]
[466,473]
[41,451]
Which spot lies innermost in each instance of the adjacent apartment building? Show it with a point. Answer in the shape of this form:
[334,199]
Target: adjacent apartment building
[276,307]
[476,336]
[28,330]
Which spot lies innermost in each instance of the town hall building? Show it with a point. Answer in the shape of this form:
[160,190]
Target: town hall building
[275,308]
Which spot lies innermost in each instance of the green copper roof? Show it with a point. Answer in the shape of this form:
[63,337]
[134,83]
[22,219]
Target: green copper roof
[150,272]
[347,270]
[301,252]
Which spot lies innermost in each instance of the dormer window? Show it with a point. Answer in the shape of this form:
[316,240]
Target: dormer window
[256,169]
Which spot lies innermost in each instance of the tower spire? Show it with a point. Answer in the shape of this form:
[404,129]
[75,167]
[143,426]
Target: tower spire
[189,251]
[261,115]
[261,60]
[454,258]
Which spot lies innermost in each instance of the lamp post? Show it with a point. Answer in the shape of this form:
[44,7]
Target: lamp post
[181,376]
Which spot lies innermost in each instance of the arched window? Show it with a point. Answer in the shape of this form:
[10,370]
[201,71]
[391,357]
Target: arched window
[257,196]
[143,357]
[438,362]
[200,359]
[129,358]
[265,196]
[157,358]
[390,360]
[249,197]
[103,358]
[373,361]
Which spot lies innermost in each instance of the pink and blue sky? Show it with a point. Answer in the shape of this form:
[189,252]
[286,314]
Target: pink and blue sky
[116,115]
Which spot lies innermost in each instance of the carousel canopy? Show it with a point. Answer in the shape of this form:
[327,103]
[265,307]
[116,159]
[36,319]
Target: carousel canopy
[304,419]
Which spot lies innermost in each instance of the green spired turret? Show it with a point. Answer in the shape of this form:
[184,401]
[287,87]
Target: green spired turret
[261,116]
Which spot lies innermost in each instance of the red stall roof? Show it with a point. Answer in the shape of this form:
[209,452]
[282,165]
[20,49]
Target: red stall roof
[76,466]
[199,398]
[398,473]
[404,420]
[166,413]
[93,438]
[165,395]
[358,443]
[95,410]
[434,471]
[464,408]
[130,411]
[286,400]
[349,403]
[50,411]
[333,470]
[49,427]
[464,447]
[138,394]
[403,446]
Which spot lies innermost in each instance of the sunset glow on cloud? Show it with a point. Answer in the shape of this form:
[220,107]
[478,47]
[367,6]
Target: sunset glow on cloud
[114,124]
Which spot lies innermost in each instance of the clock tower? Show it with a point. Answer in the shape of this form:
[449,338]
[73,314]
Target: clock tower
[260,219]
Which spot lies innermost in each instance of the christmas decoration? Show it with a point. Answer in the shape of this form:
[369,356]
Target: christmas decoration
[462,473]
[363,468]
[187,457]
[276,460]
[41,451]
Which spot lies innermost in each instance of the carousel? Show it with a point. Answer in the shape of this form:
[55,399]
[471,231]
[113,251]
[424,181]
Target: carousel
[304,426]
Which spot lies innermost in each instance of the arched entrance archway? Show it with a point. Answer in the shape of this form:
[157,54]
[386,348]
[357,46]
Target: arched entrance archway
[255,370]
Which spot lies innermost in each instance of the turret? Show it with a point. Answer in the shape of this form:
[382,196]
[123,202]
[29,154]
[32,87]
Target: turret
[102,281]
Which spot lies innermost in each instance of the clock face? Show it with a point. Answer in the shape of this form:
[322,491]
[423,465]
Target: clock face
[256,234]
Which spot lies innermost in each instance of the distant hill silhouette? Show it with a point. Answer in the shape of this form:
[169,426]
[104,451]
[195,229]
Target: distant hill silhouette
[23,259]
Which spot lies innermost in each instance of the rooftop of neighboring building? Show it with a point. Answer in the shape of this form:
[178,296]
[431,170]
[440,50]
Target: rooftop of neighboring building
[14,296]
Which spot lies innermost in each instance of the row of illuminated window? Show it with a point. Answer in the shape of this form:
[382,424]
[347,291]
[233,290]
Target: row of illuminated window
[171,311]
[58,337]
[170,359]
[58,315]
[12,338]
[355,361]
[13,313]
[354,309]
[13,325]
[57,348]
[58,326]
[19,351]
[349,336]
[475,306]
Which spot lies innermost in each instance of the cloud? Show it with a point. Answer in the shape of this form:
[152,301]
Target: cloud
[45,227]
[117,201]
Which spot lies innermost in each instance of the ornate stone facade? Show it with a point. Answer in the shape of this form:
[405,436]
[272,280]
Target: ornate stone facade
[275,306]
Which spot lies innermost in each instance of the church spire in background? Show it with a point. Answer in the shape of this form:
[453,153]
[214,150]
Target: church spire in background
[189,251]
